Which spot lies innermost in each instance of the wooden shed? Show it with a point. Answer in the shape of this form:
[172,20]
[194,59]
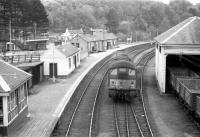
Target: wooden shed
[61,60]
[34,68]
[13,97]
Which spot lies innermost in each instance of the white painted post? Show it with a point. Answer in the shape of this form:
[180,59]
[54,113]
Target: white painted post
[5,111]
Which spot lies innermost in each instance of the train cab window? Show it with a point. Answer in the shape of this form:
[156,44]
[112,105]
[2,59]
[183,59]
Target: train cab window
[113,72]
[131,72]
[122,69]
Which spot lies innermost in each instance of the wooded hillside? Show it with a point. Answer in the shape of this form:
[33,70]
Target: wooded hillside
[141,19]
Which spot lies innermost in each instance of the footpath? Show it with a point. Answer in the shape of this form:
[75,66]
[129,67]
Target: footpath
[48,99]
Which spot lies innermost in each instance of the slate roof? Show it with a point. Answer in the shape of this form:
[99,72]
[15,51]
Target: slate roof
[76,31]
[184,33]
[11,77]
[105,36]
[25,66]
[68,49]
[37,40]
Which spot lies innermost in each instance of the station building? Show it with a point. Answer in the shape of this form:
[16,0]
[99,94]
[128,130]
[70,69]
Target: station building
[60,61]
[95,42]
[179,46]
[13,97]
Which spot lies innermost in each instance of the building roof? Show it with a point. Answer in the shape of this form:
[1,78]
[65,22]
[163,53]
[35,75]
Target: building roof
[98,30]
[87,37]
[11,77]
[37,40]
[80,31]
[184,33]
[104,36]
[25,66]
[68,49]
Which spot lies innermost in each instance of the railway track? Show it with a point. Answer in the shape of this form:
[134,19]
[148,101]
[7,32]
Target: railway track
[135,121]
[125,122]
[120,120]
[79,117]
[86,106]
[139,108]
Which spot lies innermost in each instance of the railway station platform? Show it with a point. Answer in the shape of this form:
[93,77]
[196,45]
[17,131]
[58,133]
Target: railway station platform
[47,99]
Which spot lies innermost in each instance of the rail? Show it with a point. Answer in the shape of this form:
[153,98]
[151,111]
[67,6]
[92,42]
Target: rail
[146,59]
[72,117]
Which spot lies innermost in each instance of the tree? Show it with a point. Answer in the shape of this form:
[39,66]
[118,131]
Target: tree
[38,13]
[165,25]
[193,11]
[181,8]
[125,27]
[112,21]
[140,23]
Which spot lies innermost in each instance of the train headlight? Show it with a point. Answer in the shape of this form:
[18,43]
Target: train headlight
[112,83]
[132,83]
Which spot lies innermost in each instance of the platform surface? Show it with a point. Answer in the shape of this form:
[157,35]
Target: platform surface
[47,99]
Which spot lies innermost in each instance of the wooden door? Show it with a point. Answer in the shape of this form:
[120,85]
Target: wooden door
[53,67]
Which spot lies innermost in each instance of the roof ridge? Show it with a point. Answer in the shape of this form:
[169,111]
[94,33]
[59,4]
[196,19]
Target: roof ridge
[4,84]
[192,19]
[197,17]
[15,68]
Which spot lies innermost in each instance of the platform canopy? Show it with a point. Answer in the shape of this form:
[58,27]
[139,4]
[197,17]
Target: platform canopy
[185,33]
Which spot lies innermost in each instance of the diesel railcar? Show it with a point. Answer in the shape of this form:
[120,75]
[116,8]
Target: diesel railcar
[122,79]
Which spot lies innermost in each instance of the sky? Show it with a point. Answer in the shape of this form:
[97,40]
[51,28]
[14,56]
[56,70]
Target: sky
[191,1]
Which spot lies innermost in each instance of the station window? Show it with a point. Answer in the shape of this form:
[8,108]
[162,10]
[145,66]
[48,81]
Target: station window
[69,62]
[77,45]
[22,97]
[12,102]
[12,105]
[78,57]
[160,49]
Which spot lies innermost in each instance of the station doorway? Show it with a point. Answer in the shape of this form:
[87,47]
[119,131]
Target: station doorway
[53,70]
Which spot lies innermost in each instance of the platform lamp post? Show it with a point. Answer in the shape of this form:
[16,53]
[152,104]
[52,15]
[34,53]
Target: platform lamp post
[54,79]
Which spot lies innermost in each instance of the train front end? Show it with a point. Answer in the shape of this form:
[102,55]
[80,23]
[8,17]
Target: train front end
[122,81]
